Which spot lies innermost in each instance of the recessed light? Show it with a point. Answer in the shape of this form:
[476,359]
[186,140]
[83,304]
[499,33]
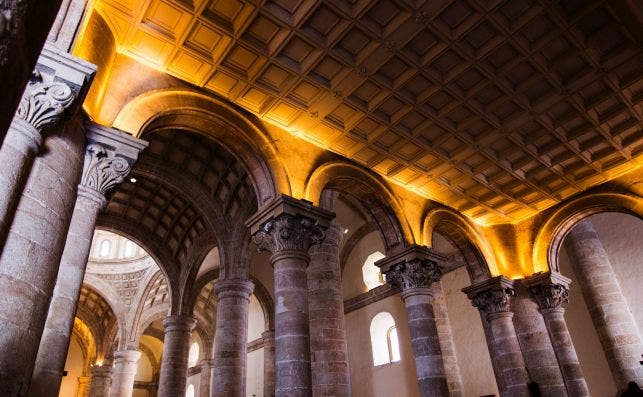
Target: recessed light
[345,231]
[133,180]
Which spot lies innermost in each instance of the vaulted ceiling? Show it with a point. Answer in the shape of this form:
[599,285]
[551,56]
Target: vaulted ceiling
[498,108]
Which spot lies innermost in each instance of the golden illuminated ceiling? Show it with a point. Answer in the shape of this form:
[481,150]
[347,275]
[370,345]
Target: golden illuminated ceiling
[496,108]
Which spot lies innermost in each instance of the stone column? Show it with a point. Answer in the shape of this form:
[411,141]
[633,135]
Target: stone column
[231,338]
[174,363]
[83,386]
[268,363]
[24,26]
[101,381]
[43,105]
[329,354]
[447,346]
[413,271]
[607,307]
[287,228]
[125,366]
[108,157]
[537,350]
[551,290]
[205,384]
[493,298]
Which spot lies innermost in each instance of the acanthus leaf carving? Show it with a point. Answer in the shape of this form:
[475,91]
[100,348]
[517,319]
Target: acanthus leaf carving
[417,273]
[495,300]
[103,170]
[43,103]
[550,296]
[288,232]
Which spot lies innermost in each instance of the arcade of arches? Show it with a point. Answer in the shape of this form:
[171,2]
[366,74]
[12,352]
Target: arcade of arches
[236,198]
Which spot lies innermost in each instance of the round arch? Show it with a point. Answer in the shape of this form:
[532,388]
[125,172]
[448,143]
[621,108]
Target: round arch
[172,108]
[554,229]
[370,191]
[462,233]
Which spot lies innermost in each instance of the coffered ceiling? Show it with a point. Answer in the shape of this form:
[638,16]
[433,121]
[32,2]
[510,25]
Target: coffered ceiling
[496,108]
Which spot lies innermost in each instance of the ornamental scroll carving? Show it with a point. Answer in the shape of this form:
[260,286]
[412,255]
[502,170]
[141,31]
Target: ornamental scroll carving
[550,296]
[494,300]
[288,232]
[416,273]
[44,103]
[103,170]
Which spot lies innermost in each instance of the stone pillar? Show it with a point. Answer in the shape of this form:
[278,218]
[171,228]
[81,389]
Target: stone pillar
[329,354]
[101,381]
[108,157]
[268,363]
[125,366]
[231,338]
[551,290]
[205,384]
[287,228]
[24,26]
[83,386]
[43,105]
[447,346]
[537,350]
[413,271]
[607,307]
[493,298]
[174,363]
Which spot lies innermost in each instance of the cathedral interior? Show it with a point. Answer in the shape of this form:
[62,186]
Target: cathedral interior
[366,198]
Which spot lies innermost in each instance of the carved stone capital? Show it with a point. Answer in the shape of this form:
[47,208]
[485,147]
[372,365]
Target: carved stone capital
[287,224]
[109,156]
[550,289]
[415,267]
[44,103]
[491,296]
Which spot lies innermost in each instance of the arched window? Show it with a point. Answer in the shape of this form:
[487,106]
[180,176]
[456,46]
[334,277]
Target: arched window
[384,339]
[104,248]
[129,250]
[371,273]
[193,355]
[189,392]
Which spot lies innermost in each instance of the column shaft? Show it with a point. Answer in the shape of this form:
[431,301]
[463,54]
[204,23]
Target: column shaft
[329,354]
[83,386]
[16,156]
[125,366]
[205,384]
[537,350]
[101,381]
[52,354]
[447,346]
[425,343]
[565,352]
[617,330]
[292,340]
[231,338]
[31,255]
[174,364]
[268,363]
[25,26]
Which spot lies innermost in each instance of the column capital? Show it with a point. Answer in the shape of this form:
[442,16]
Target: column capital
[131,356]
[180,322]
[549,289]
[415,267]
[109,156]
[288,224]
[101,370]
[233,287]
[492,296]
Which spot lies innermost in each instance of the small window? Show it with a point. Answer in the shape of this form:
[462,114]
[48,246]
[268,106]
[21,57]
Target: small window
[384,339]
[193,355]
[189,392]
[371,273]
[104,248]
[129,250]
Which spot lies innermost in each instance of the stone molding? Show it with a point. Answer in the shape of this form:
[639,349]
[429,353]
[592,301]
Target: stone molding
[233,288]
[287,224]
[415,267]
[367,298]
[109,156]
[44,102]
[180,323]
[492,296]
[550,289]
